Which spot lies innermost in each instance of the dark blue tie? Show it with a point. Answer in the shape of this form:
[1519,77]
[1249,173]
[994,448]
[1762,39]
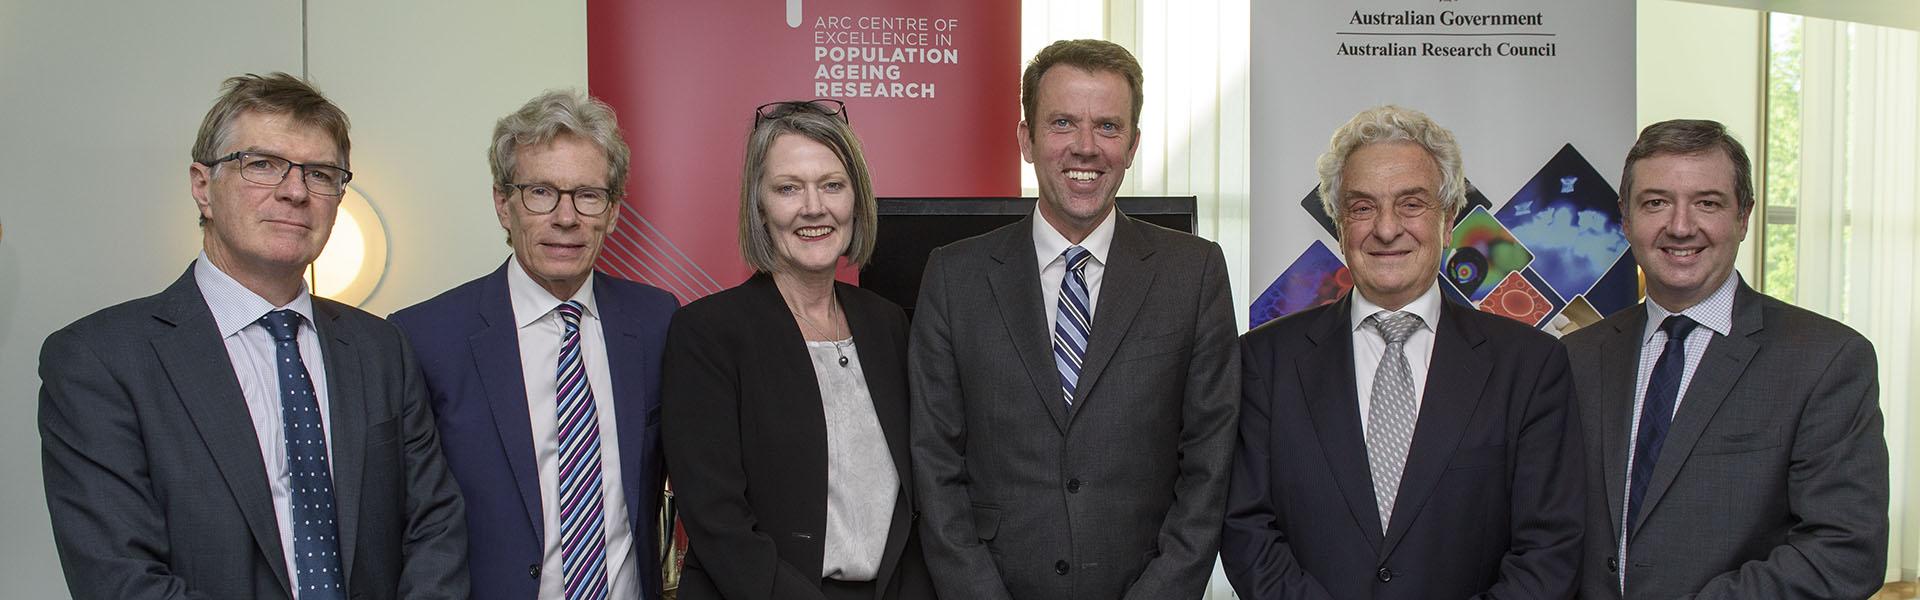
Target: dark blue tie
[316,540]
[1656,412]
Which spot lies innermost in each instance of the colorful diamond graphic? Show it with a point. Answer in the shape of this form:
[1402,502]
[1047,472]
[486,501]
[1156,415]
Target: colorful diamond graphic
[1317,277]
[1521,298]
[1484,252]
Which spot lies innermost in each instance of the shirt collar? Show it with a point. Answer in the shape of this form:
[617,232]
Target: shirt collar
[1048,244]
[234,306]
[1715,312]
[532,302]
[1427,307]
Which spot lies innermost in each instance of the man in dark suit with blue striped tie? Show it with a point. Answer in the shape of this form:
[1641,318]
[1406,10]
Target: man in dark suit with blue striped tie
[545,375]
[234,436]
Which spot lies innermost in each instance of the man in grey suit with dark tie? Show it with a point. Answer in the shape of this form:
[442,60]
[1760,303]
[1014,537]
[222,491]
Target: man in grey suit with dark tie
[1734,445]
[1074,374]
[234,436]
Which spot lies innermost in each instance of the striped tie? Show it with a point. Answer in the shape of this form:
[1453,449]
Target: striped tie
[583,549]
[1073,323]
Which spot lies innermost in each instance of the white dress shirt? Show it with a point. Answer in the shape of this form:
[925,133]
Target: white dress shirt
[1715,315]
[1048,246]
[1369,345]
[251,350]
[540,329]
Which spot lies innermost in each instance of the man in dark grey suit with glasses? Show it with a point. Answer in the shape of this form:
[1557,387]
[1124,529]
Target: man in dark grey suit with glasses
[234,436]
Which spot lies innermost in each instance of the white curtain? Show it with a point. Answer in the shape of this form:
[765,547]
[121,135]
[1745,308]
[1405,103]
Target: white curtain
[1857,222]
[1193,129]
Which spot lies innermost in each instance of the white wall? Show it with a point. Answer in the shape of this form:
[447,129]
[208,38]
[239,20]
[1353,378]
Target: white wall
[101,102]
[1703,62]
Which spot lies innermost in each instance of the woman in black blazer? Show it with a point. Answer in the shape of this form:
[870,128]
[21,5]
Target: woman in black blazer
[784,403]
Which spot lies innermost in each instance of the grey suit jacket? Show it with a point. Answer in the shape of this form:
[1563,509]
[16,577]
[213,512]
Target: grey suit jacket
[1123,496]
[1772,482]
[154,478]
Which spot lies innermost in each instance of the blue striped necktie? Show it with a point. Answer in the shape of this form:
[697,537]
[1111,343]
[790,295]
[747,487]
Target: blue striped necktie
[316,539]
[583,549]
[1072,324]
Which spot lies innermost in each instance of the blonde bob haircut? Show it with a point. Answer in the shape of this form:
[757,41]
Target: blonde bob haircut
[756,244]
[1391,123]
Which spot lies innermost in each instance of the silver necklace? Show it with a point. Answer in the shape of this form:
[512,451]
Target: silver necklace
[839,347]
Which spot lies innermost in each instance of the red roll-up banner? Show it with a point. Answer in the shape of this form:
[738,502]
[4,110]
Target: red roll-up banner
[932,89]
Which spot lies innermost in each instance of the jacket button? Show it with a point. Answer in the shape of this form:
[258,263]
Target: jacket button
[1384,574]
[1061,567]
[533,571]
[1073,486]
[1613,565]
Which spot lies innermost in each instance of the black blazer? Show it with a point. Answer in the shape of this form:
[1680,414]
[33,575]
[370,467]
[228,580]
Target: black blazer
[746,443]
[1490,500]
[153,472]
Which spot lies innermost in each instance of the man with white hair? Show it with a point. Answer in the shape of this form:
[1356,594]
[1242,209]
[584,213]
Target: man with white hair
[1392,444]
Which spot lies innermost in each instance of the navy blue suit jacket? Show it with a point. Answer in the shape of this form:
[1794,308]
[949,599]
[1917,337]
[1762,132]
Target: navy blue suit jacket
[469,347]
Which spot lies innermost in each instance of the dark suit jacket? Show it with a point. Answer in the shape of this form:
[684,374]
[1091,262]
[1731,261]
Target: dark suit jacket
[1490,499]
[747,443]
[1772,482]
[469,348]
[1119,498]
[153,472]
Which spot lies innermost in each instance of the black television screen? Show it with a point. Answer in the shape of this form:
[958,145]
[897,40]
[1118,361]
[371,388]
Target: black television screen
[910,228]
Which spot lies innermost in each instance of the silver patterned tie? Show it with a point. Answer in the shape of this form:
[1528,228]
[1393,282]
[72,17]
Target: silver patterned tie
[1391,414]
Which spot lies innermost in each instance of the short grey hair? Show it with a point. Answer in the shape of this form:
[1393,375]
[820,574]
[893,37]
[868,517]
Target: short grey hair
[756,244]
[1390,123]
[547,117]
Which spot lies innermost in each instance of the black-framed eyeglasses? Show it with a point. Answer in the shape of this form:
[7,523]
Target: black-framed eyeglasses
[824,106]
[543,198]
[267,169]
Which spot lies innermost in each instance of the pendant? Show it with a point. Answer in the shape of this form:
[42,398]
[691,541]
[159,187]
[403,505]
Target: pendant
[843,360]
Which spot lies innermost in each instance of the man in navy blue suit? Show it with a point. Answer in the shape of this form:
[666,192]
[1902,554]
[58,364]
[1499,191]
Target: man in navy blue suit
[545,376]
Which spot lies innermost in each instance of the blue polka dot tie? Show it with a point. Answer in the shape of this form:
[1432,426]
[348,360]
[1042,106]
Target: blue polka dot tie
[316,539]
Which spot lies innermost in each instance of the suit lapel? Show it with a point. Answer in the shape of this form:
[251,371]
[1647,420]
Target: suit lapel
[496,355]
[1456,376]
[630,366]
[346,396]
[1725,360]
[1015,284]
[195,360]
[1327,382]
[1619,366]
[1123,287]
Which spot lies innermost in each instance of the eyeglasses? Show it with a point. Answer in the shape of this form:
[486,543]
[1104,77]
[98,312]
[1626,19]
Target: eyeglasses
[542,198]
[267,169]
[824,106]
[1366,210]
